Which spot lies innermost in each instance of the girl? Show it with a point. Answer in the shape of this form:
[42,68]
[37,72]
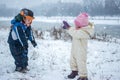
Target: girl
[80,35]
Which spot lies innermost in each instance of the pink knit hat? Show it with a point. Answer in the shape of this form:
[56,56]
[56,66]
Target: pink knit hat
[81,20]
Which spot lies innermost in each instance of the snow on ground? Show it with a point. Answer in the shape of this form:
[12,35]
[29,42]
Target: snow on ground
[50,60]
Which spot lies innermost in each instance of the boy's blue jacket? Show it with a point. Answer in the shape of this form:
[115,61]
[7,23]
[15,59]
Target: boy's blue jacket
[20,34]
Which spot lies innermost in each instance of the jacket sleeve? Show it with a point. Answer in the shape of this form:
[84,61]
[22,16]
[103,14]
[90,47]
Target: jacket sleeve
[29,34]
[21,36]
[78,34]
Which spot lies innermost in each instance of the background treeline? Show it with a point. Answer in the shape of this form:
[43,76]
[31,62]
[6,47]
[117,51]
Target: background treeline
[93,7]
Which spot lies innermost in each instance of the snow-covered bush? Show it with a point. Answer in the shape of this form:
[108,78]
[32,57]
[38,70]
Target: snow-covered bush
[61,34]
[54,33]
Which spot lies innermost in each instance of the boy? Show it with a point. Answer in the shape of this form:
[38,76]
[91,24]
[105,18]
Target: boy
[19,35]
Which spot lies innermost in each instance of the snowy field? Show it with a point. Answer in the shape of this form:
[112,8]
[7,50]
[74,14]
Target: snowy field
[50,60]
[59,19]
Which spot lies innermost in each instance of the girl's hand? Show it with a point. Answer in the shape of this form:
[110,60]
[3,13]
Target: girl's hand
[66,25]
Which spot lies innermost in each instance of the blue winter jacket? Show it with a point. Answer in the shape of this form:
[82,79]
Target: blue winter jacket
[20,34]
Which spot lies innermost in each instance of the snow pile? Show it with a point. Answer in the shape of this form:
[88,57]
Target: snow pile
[50,60]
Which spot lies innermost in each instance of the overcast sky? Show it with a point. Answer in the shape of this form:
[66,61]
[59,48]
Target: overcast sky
[30,3]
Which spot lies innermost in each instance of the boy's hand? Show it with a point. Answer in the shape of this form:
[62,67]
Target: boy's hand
[66,25]
[34,43]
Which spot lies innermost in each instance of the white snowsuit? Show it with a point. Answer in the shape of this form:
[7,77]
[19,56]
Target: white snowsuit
[79,48]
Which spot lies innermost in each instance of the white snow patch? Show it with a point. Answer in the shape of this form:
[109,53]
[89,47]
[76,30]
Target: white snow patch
[50,60]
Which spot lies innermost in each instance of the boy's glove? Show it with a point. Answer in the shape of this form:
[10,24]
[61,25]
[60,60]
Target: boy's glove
[34,43]
[66,25]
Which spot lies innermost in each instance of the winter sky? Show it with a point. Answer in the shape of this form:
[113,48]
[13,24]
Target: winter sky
[31,3]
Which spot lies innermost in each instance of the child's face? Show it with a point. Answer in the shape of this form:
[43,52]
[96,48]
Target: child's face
[27,22]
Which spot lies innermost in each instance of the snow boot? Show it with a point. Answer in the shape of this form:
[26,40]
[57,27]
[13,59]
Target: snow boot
[23,70]
[27,69]
[82,78]
[73,74]
[18,69]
